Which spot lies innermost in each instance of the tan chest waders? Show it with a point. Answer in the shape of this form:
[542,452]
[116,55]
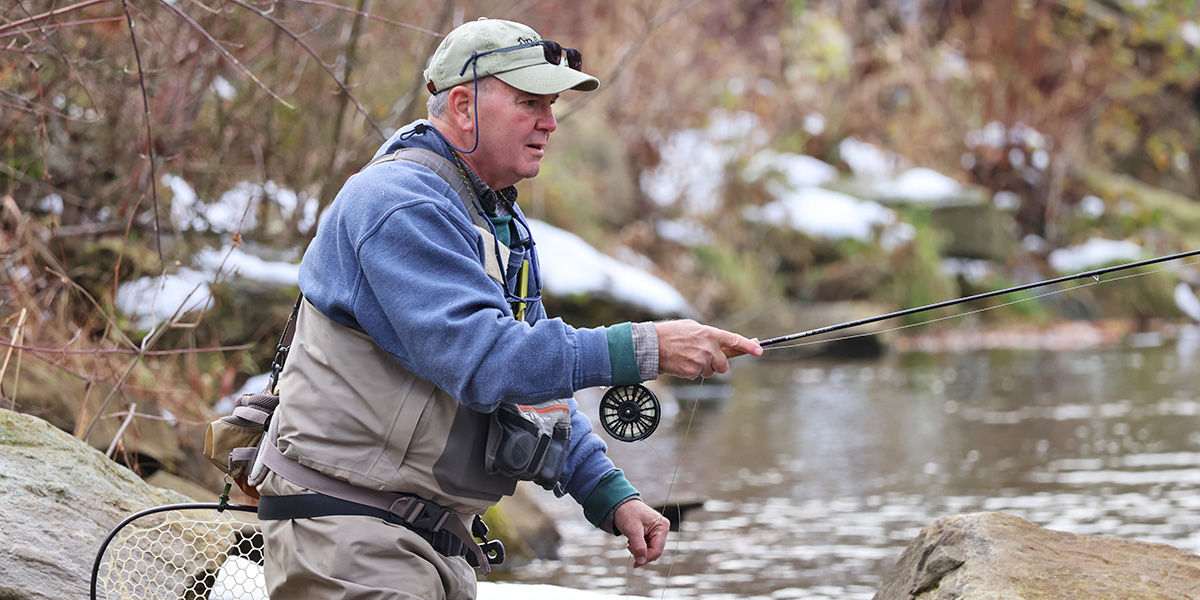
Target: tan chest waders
[394,431]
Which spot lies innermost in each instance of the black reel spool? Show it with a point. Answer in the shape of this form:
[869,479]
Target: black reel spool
[630,412]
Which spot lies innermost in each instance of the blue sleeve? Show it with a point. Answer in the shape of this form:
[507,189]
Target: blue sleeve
[443,318]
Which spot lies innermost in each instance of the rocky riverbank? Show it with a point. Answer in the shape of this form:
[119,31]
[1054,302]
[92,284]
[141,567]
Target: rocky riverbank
[59,498]
[997,555]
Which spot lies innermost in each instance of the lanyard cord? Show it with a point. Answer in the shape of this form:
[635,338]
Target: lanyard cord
[535,267]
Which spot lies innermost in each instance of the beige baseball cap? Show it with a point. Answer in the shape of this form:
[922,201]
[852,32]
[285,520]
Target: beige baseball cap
[512,52]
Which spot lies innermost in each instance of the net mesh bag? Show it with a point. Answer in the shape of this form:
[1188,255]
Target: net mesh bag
[183,554]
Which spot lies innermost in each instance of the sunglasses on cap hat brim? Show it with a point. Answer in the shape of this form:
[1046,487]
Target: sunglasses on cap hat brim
[551,50]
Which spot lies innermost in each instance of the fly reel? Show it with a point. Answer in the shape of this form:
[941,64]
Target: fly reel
[630,412]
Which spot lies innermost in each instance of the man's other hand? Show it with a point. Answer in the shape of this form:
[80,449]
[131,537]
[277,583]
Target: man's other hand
[645,528]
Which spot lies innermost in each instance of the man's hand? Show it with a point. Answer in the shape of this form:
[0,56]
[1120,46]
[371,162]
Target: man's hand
[645,528]
[689,349]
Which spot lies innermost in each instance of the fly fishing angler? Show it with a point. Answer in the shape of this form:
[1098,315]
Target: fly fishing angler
[424,378]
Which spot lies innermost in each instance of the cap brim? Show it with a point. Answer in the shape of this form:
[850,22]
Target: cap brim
[548,79]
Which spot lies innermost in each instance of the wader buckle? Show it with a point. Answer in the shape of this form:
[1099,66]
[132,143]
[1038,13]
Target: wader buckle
[492,549]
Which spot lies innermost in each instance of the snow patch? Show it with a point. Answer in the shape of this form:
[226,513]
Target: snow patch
[1006,201]
[691,172]
[798,170]
[235,261]
[921,185]
[153,300]
[236,209]
[222,88]
[867,160]
[824,213]
[683,231]
[570,266]
[814,124]
[1190,32]
[51,204]
[1093,253]
[974,271]
[1091,206]
[1187,302]
[242,579]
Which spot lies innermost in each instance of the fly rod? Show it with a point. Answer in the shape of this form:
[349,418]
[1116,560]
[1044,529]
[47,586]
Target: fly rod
[632,412]
[912,311]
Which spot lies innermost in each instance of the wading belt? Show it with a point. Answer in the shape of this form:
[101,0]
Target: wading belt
[439,526]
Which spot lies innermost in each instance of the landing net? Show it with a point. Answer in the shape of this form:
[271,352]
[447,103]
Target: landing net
[182,552]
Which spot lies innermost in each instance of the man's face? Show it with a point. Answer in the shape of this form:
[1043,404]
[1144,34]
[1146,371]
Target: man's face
[514,128]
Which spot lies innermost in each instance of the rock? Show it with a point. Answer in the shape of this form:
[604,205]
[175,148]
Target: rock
[677,511]
[489,590]
[58,500]
[1172,216]
[526,530]
[47,392]
[191,489]
[978,231]
[1000,556]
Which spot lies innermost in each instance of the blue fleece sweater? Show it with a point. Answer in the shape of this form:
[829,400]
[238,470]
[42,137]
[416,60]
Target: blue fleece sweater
[397,257]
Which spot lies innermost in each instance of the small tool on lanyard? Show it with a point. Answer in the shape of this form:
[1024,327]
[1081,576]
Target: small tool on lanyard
[522,289]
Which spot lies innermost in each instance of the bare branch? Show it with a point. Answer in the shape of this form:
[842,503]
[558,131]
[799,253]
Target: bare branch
[53,26]
[50,14]
[7,355]
[623,62]
[121,430]
[36,109]
[363,13]
[417,87]
[225,53]
[149,131]
[341,85]
[335,136]
[108,318]
[143,348]
[120,351]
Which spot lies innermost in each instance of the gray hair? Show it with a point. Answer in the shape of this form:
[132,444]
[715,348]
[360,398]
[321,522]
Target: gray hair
[437,104]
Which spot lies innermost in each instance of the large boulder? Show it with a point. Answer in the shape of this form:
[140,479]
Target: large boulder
[59,498]
[997,556]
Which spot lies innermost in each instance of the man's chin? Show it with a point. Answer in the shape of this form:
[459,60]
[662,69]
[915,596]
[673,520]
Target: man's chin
[531,172]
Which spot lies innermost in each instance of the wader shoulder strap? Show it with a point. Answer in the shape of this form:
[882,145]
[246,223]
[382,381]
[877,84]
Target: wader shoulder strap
[436,163]
[408,510]
[281,350]
[445,169]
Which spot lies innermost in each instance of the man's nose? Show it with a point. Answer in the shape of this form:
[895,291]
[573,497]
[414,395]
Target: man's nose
[546,121]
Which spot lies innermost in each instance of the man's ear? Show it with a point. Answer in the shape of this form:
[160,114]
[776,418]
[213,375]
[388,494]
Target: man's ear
[460,108]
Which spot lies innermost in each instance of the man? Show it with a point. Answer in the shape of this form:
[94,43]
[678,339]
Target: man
[422,325]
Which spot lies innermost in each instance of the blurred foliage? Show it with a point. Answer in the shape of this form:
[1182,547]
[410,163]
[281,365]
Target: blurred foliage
[1087,97]
[917,278]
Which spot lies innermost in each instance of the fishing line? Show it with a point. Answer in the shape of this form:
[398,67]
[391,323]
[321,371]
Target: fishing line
[977,311]
[687,433]
[926,322]
[1095,274]
[661,461]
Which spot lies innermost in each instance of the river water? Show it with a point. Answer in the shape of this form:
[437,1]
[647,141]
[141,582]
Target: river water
[815,475]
